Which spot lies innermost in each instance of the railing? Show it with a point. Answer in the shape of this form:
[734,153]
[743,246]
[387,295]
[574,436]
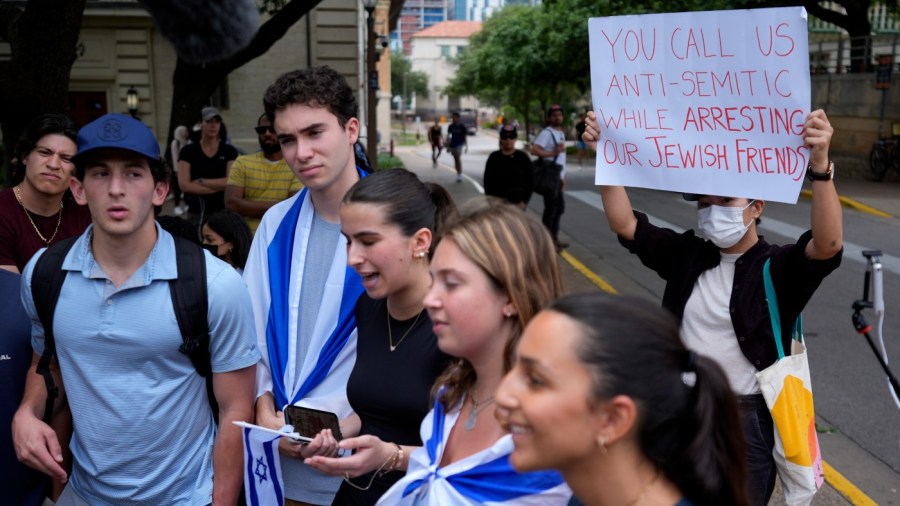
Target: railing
[854,55]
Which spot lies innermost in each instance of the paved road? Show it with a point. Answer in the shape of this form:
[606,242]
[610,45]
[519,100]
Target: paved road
[859,425]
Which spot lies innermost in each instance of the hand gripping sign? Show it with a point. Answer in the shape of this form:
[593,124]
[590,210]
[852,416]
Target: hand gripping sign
[703,102]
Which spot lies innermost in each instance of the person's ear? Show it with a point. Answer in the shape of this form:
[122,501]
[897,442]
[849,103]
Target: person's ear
[421,240]
[352,128]
[159,193]
[614,419]
[758,206]
[77,189]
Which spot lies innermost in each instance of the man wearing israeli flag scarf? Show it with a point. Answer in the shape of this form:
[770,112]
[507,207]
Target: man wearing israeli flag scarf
[302,290]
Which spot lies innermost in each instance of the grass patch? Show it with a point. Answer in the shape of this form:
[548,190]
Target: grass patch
[386,161]
[405,139]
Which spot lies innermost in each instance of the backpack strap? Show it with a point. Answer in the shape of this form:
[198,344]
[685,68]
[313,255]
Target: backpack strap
[47,279]
[191,306]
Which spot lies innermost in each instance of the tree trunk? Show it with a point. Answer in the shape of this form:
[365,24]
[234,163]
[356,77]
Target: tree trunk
[193,84]
[36,78]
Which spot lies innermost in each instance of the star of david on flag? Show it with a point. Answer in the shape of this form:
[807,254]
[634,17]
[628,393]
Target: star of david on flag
[263,485]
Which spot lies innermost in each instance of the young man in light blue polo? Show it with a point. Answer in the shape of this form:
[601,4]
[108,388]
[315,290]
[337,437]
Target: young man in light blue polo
[143,429]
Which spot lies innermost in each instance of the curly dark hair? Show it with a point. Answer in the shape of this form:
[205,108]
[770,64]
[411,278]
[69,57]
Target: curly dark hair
[314,86]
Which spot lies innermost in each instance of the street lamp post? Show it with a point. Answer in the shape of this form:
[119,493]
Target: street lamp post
[131,100]
[371,84]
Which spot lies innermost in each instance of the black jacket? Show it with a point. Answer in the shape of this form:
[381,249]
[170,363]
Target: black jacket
[681,258]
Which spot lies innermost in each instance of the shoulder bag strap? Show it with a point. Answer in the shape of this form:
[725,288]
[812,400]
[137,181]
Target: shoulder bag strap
[772,301]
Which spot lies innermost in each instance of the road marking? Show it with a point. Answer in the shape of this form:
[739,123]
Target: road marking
[843,486]
[588,273]
[852,252]
[593,199]
[854,204]
[453,170]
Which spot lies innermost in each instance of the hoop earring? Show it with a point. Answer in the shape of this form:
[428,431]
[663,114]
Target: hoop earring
[601,441]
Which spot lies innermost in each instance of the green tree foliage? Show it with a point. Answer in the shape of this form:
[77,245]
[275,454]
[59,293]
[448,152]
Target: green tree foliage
[854,19]
[416,80]
[526,57]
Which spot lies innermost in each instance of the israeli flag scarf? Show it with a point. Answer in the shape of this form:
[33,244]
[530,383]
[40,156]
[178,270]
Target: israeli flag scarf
[274,275]
[485,478]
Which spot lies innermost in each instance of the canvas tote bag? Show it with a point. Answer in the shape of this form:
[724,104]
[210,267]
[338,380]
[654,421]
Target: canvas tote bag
[788,392]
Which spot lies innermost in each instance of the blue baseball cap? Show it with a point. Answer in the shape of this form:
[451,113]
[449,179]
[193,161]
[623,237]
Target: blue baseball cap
[118,131]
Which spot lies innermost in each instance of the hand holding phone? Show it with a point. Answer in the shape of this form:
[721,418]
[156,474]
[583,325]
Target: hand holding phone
[309,422]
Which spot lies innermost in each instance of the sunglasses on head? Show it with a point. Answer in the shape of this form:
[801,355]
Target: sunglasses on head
[263,129]
[507,136]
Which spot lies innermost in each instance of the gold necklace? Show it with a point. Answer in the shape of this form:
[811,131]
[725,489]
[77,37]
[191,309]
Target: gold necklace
[391,336]
[47,242]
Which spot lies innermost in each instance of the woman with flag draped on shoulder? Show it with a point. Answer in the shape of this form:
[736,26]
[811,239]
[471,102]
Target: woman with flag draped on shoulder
[492,271]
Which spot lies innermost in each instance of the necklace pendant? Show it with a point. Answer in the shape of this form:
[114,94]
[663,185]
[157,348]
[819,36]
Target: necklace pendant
[393,347]
[470,422]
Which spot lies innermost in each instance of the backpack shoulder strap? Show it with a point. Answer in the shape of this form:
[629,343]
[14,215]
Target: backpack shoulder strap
[191,306]
[47,279]
[189,300]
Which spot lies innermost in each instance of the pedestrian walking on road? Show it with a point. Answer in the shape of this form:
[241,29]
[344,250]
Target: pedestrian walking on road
[435,137]
[508,173]
[456,134]
[550,145]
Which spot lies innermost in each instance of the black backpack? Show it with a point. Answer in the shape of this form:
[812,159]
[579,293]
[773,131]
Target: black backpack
[189,300]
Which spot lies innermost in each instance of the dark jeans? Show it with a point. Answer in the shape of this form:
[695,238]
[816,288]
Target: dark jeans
[554,207]
[759,432]
[435,152]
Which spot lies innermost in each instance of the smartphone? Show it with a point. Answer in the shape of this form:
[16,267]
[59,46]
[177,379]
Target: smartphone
[308,422]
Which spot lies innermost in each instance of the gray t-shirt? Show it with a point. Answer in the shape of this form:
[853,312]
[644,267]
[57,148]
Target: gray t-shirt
[302,483]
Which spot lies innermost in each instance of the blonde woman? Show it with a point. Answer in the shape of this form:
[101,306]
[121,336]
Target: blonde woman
[492,271]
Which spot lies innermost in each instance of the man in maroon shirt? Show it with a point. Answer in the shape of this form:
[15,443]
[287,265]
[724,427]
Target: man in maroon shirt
[37,212]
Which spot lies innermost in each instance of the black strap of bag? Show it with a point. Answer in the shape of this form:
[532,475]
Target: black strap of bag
[46,283]
[189,299]
[189,302]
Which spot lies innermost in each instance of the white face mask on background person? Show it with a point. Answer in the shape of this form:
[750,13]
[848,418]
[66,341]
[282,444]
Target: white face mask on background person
[724,226]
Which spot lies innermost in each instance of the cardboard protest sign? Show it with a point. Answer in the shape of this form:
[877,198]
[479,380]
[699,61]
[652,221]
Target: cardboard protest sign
[703,102]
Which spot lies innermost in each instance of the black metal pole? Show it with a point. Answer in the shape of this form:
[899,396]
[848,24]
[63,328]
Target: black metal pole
[371,85]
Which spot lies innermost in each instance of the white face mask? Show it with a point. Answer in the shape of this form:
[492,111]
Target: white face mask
[724,226]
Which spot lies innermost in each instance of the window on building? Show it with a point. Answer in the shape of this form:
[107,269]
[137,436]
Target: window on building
[445,51]
[460,50]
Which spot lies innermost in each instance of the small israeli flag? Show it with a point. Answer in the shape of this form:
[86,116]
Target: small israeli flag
[262,468]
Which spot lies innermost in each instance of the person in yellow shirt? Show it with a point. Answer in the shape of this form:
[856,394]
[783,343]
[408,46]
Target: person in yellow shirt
[260,180]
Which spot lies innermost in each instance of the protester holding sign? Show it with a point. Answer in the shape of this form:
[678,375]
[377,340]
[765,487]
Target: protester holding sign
[715,285]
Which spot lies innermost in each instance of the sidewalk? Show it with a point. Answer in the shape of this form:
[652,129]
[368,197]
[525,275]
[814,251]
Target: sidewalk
[577,277]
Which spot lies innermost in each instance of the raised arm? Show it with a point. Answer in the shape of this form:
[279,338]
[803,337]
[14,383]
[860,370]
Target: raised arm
[827,224]
[616,204]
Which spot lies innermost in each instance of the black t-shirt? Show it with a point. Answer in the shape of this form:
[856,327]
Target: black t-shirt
[457,133]
[390,391]
[509,177]
[208,168]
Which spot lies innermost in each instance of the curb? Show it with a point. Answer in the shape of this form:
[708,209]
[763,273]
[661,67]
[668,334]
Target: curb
[853,204]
